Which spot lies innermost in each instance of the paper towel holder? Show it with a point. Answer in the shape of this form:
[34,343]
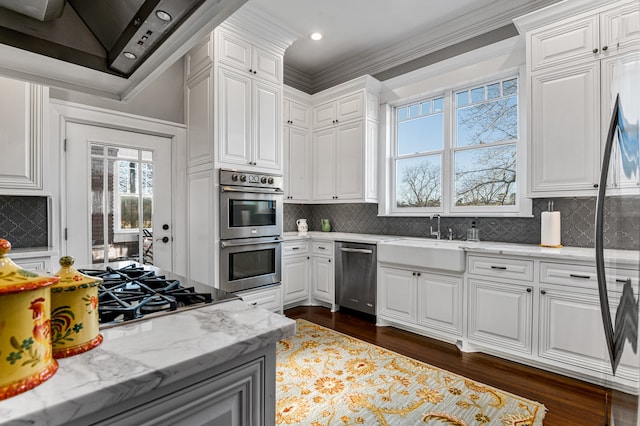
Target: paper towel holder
[544,237]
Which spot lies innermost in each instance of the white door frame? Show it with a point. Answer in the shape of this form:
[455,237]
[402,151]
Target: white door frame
[63,112]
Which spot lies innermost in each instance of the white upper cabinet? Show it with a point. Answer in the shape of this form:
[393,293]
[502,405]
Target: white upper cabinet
[337,112]
[22,130]
[573,50]
[297,160]
[241,54]
[296,114]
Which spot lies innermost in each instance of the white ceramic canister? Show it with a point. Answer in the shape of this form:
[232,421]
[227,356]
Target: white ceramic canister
[303,227]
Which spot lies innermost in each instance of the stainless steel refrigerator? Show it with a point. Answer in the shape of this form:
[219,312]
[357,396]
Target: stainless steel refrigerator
[617,225]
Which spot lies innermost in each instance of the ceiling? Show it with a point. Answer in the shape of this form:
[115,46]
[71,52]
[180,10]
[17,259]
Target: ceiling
[380,36]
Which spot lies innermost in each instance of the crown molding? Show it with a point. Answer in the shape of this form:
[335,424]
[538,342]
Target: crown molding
[259,23]
[295,78]
[464,27]
[555,12]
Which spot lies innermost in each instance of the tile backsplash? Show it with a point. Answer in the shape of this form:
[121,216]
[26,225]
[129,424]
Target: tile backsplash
[24,221]
[577,224]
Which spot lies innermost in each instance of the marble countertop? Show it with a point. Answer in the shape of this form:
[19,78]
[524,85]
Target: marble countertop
[623,258]
[138,357]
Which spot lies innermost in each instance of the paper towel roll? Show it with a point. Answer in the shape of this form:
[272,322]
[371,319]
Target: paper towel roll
[550,229]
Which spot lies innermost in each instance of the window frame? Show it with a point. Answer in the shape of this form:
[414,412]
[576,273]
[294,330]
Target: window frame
[522,206]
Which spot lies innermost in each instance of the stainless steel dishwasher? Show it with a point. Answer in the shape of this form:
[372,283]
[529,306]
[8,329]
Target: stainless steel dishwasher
[356,276]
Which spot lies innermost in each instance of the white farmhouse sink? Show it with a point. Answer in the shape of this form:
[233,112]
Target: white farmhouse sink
[423,253]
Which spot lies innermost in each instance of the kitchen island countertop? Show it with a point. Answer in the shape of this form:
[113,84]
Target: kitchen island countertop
[141,356]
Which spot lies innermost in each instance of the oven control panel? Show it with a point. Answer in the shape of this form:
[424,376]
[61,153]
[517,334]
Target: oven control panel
[251,179]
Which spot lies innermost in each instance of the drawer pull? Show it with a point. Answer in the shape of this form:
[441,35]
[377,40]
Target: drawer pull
[623,281]
[502,268]
[586,277]
[322,248]
[295,248]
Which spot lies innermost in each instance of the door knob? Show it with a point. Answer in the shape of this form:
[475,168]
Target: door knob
[163,239]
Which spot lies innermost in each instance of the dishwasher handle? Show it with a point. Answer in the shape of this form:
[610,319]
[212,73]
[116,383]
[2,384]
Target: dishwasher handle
[355,250]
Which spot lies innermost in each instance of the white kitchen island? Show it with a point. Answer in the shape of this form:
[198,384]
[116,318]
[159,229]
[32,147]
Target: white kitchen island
[215,362]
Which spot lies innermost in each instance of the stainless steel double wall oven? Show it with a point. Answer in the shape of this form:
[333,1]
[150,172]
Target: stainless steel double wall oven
[250,229]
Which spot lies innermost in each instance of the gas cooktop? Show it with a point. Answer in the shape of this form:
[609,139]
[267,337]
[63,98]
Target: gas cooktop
[134,292]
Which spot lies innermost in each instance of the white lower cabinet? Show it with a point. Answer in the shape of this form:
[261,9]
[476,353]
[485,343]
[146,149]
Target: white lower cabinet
[440,302]
[323,273]
[397,290]
[269,298]
[41,265]
[500,314]
[423,301]
[571,332]
[296,262]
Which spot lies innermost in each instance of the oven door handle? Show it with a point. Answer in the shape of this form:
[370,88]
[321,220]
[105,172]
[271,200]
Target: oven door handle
[252,190]
[225,244]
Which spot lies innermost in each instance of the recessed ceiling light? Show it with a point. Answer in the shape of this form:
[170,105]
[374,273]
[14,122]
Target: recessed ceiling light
[315,36]
[129,55]
[161,14]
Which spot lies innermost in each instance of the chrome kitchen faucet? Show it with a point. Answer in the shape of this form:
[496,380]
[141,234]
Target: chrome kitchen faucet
[436,233]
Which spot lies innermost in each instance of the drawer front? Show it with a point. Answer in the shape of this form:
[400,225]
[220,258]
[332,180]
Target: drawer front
[270,299]
[294,248]
[585,276]
[323,248]
[497,267]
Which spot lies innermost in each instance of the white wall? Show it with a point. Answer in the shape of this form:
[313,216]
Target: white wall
[163,98]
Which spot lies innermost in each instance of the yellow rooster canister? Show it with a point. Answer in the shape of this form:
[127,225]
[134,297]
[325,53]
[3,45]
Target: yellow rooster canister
[74,311]
[25,328]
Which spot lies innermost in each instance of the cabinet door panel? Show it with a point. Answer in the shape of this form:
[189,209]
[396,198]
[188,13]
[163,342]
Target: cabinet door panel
[324,164]
[323,279]
[397,294]
[199,120]
[564,43]
[234,51]
[571,332]
[266,65]
[620,27]
[21,134]
[299,115]
[235,117]
[299,163]
[324,115]
[349,108]
[295,279]
[349,159]
[500,314]
[565,119]
[440,302]
[267,126]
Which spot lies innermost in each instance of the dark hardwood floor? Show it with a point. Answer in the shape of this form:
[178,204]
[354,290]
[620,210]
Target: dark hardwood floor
[568,401]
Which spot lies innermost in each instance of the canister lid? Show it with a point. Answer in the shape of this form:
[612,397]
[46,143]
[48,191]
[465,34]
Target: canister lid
[71,278]
[14,279]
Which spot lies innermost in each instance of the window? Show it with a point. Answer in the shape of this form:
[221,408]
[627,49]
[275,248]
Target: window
[135,184]
[457,152]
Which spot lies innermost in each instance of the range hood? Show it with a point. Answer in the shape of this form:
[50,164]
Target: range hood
[108,48]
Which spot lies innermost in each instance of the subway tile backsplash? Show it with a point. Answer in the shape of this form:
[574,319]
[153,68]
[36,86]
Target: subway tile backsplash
[577,222]
[24,221]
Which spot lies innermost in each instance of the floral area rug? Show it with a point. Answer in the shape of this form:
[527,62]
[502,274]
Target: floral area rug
[327,378]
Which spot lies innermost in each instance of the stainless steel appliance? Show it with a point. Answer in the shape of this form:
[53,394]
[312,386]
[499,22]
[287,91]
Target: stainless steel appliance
[105,35]
[356,276]
[250,229]
[131,291]
[249,263]
[250,204]
[617,215]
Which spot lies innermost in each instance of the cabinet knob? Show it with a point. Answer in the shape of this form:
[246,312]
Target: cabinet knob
[595,50]
[329,260]
[255,72]
[595,185]
[413,273]
[418,274]
[604,48]
[529,290]
[250,70]
[543,292]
